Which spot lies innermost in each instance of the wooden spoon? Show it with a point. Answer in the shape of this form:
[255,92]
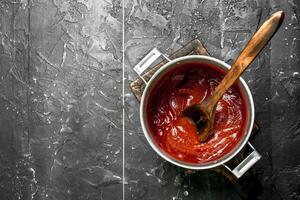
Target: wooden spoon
[203,113]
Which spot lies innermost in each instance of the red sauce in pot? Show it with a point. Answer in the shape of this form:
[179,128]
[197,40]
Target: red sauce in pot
[176,134]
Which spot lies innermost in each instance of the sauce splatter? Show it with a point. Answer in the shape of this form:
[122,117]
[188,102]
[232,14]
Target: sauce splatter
[176,134]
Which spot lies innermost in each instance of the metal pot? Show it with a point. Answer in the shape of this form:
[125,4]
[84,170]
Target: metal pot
[242,167]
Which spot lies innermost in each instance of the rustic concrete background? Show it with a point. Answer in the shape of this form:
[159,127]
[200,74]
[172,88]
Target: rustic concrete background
[224,27]
[61,96]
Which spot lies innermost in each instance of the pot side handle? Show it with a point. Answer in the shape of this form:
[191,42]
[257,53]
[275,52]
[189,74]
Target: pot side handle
[246,164]
[147,61]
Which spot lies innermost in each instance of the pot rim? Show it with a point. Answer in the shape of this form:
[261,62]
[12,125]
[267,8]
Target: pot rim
[184,164]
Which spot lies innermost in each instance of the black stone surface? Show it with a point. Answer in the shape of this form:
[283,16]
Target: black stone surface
[60,97]
[61,80]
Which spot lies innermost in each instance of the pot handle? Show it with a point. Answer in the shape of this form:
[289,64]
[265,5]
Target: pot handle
[246,164]
[147,61]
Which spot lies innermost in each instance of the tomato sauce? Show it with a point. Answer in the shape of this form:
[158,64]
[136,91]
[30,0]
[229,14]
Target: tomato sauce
[176,134]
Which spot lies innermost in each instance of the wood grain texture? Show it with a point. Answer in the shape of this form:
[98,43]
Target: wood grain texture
[207,108]
[258,41]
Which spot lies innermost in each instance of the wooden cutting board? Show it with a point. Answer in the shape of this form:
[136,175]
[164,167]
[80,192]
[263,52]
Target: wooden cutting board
[247,184]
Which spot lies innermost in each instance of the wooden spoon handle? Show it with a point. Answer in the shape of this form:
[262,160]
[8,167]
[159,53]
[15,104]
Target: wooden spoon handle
[251,50]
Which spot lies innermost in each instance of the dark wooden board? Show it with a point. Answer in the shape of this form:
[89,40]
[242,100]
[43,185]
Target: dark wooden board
[246,185]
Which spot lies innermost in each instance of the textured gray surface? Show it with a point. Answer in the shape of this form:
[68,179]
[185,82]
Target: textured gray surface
[61,81]
[224,27]
[61,96]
